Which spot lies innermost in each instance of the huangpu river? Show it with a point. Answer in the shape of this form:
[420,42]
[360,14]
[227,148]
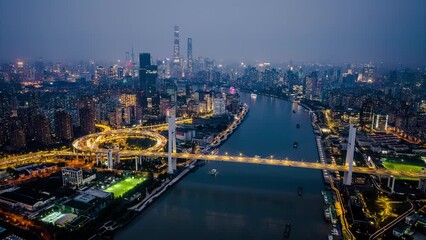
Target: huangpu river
[245,201]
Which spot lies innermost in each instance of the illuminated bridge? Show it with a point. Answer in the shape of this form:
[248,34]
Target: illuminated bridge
[276,162]
[227,158]
[88,145]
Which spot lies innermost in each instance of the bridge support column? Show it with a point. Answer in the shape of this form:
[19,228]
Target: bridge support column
[97,158]
[136,163]
[393,184]
[172,139]
[389,181]
[174,164]
[422,184]
[110,160]
[117,157]
[347,178]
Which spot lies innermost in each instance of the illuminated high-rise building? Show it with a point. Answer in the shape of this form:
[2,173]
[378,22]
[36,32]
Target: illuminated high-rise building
[379,122]
[368,73]
[176,47]
[147,75]
[176,64]
[218,106]
[63,126]
[366,113]
[189,58]
[311,83]
[42,130]
[128,100]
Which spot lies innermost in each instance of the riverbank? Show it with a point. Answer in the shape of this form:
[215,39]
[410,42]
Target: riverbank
[223,136]
[150,197]
[169,183]
[202,206]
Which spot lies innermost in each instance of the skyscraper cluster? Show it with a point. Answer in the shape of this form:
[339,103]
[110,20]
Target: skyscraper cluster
[181,67]
[147,75]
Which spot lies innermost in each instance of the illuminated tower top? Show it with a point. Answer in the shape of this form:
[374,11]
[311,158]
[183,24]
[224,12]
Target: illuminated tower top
[176,45]
[189,57]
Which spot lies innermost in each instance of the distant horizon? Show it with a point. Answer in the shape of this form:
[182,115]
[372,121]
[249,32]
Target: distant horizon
[328,31]
[253,63]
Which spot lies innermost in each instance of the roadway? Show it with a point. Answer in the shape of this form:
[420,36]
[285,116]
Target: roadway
[225,158]
[392,223]
[230,129]
[276,162]
[342,208]
[89,143]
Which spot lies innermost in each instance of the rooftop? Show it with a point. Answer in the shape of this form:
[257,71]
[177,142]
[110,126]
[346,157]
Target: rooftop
[98,193]
[25,197]
[78,205]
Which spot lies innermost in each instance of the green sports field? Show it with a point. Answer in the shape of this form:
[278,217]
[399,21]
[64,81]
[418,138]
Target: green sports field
[402,167]
[399,165]
[123,186]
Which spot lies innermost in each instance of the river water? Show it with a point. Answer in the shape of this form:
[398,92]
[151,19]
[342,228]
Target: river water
[245,201]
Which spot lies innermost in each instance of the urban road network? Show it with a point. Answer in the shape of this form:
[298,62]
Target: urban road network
[86,145]
[89,145]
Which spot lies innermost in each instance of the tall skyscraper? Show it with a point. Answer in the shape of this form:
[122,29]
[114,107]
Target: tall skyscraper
[43,130]
[176,47]
[218,107]
[128,100]
[189,58]
[366,113]
[132,55]
[144,59]
[311,83]
[87,120]
[176,64]
[147,75]
[63,126]
[39,70]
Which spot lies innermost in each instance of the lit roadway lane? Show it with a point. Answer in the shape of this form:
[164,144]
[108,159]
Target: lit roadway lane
[41,156]
[104,128]
[276,162]
[393,222]
[225,158]
[89,143]
[164,126]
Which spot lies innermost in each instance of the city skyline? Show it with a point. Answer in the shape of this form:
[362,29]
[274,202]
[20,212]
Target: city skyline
[359,32]
[280,119]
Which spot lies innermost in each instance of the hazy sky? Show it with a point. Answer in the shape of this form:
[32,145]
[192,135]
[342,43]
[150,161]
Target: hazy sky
[393,31]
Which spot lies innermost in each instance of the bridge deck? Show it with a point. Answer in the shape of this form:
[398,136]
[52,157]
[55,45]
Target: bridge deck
[225,158]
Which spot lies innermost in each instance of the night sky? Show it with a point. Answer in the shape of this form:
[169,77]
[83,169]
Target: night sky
[227,30]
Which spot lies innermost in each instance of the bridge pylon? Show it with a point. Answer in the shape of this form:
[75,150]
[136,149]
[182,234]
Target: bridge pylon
[110,161]
[171,117]
[347,178]
[422,184]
